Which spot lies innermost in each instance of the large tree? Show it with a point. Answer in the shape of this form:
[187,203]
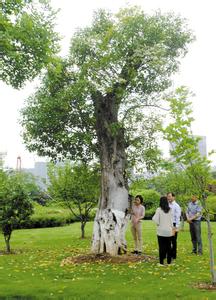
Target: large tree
[98,103]
[28,39]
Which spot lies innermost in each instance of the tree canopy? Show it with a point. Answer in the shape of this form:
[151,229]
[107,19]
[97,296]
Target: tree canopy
[28,39]
[125,59]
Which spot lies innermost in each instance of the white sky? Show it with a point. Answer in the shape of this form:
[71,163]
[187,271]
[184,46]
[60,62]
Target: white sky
[197,68]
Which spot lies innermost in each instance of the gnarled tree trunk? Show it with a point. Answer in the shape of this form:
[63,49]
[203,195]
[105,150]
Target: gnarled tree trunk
[112,216]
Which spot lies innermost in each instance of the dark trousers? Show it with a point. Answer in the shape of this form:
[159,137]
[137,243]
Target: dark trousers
[195,231]
[174,244]
[164,244]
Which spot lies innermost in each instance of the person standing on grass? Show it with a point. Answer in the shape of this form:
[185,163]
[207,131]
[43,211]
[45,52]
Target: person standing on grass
[138,213]
[163,219]
[194,215]
[176,214]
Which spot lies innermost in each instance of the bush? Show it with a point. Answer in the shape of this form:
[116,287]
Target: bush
[211,205]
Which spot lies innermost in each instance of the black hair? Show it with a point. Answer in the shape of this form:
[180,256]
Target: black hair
[164,205]
[171,194]
[140,197]
[130,197]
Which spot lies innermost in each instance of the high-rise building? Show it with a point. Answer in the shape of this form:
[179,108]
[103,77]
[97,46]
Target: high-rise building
[40,172]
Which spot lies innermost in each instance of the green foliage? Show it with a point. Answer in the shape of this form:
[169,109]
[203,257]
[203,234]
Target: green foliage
[48,216]
[211,206]
[185,146]
[28,40]
[126,59]
[58,120]
[175,181]
[15,205]
[138,184]
[213,173]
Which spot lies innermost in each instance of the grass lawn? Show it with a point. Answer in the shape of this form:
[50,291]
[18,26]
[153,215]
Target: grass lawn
[34,272]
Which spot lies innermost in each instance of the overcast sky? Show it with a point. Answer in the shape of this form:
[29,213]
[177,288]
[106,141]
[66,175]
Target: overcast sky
[197,68]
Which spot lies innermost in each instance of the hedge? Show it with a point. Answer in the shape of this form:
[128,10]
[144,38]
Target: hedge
[50,216]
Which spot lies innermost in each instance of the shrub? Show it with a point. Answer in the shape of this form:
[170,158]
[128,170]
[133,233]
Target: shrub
[211,205]
[50,216]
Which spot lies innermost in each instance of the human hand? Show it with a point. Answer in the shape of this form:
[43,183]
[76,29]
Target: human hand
[136,220]
[173,231]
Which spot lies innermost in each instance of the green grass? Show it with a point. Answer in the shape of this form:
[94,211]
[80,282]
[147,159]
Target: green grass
[35,271]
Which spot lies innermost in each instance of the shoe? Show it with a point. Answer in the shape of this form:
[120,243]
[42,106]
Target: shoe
[160,265]
[134,252]
[200,253]
[139,253]
[193,252]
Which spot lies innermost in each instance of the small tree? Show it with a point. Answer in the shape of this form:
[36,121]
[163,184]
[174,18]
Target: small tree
[77,186]
[15,205]
[187,156]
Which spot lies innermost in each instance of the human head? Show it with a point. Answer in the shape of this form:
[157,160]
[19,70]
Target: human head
[164,205]
[193,198]
[170,197]
[138,200]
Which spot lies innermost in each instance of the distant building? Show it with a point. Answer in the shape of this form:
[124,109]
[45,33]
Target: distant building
[40,172]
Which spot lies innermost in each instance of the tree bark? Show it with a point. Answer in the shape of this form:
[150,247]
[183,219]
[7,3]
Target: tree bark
[112,217]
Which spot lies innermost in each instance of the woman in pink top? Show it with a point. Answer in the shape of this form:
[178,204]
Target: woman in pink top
[138,213]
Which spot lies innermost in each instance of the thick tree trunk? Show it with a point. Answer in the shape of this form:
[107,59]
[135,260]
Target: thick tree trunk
[112,217]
